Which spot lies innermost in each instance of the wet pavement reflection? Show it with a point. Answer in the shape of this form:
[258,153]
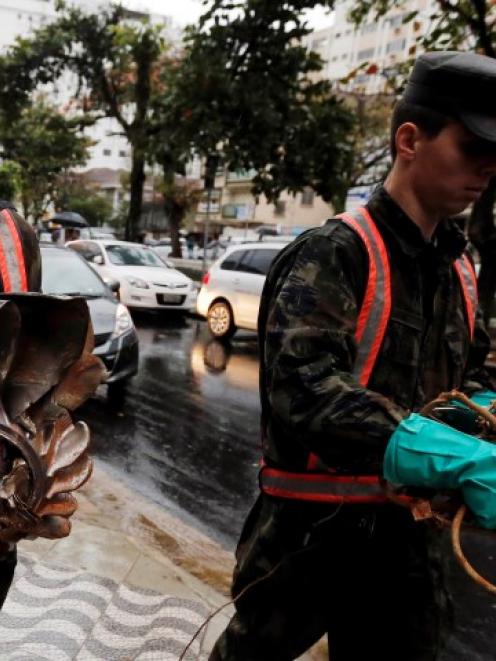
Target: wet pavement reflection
[187,432]
[187,436]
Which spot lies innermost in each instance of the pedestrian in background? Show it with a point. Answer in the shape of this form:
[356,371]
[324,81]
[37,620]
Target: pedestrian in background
[190,244]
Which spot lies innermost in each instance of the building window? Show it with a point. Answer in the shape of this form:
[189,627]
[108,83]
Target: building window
[395,46]
[107,152]
[365,54]
[122,153]
[280,208]
[344,56]
[214,206]
[307,197]
[396,21]
[370,27]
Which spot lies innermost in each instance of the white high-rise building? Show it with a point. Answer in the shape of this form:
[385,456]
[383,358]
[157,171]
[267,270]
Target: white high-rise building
[380,43]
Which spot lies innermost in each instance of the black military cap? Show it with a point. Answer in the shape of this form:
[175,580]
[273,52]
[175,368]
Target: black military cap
[461,85]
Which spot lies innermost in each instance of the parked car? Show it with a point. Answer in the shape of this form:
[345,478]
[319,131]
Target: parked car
[64,272]
[146,281]
[229,297]
[163,248]
[103,232]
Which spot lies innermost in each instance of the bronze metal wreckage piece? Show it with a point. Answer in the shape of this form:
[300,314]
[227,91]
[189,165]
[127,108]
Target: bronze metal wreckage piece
[46,371]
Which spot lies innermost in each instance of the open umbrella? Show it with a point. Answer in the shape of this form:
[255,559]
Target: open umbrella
[69,219]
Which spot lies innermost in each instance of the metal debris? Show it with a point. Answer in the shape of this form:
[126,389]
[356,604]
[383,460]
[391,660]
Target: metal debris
[46,370]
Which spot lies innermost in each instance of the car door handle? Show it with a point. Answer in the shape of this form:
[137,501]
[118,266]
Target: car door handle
[236,281]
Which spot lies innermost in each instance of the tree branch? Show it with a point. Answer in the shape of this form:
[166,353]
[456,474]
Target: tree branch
[109,94]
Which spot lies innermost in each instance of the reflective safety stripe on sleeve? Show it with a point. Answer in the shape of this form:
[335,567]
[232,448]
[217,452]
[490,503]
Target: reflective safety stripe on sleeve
[468,283]
[12,264]
[376,307]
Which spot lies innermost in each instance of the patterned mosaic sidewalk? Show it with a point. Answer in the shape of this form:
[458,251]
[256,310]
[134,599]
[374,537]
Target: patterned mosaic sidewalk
[56,613]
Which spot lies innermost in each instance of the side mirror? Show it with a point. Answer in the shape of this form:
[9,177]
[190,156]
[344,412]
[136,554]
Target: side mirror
[169,264]
[97,259]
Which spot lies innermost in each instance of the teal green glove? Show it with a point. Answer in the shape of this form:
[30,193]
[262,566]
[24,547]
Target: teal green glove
[426,453]
[483,397]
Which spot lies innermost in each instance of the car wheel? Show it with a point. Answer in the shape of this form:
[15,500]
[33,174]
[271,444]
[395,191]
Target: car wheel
[220,320]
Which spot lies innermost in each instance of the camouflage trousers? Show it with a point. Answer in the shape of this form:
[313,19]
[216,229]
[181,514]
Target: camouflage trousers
[368,576]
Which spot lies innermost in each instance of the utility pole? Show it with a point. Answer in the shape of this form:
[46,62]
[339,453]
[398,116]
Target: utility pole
[211,165]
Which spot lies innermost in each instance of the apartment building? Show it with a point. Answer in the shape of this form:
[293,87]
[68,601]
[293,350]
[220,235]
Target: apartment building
[233,209]
[374,48]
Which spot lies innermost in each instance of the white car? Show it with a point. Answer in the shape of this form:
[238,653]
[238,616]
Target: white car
[146,281]
[163,248]
[229,297]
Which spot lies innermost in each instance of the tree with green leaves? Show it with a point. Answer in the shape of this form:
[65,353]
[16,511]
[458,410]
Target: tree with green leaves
[371,139]
[248,90]
[294,136]
[74,195]
[43,144]
[10,180]
[114,61]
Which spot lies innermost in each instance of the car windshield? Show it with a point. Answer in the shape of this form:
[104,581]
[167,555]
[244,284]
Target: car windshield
[122,255]
[64,272]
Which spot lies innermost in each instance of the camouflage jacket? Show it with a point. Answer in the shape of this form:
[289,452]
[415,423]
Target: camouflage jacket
[311,403]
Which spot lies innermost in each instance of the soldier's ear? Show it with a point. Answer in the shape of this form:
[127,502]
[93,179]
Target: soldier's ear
[406,141]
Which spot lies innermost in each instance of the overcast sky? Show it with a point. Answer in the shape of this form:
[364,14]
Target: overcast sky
[188,11]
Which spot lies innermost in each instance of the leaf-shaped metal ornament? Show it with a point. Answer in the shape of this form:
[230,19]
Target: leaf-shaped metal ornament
[46,369]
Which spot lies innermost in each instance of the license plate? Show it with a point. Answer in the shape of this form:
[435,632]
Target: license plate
[170,299]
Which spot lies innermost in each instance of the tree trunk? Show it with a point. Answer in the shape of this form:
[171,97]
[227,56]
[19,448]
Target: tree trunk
[25,206]
[137,181]
[175,219]
[482,234]
[338,202]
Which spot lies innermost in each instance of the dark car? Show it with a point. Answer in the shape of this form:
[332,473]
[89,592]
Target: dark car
[64,272]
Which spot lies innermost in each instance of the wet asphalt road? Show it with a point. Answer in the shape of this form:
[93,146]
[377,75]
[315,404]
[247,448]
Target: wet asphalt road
[187,436]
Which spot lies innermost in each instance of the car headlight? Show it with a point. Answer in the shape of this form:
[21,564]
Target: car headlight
[123,321]
[137,282]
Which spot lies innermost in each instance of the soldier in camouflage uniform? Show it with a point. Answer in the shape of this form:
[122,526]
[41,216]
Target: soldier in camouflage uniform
[367,575]
[20,270]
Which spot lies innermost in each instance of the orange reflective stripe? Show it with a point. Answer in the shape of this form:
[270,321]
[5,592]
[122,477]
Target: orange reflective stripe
[4,270]
[12,264]
[322,487]
[376,307]
[468,282]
